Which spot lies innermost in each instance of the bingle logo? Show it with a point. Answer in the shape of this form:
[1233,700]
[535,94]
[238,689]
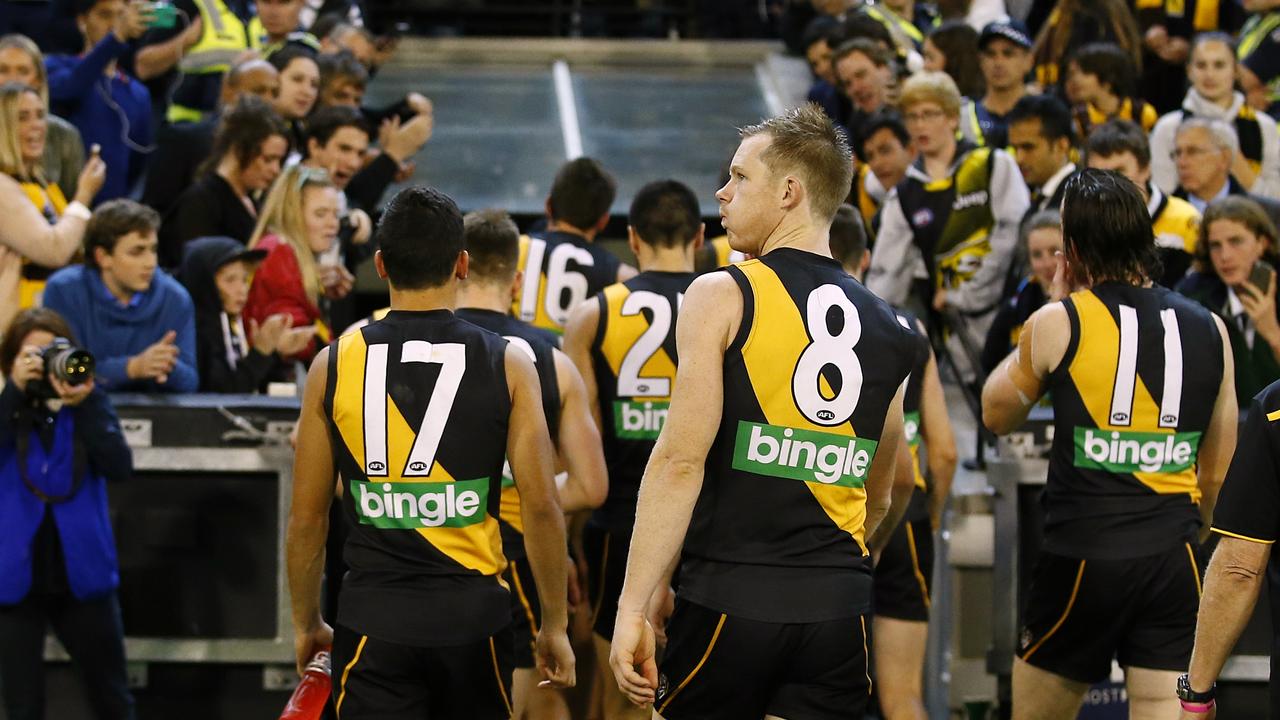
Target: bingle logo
[639,421]
[409,505]
[1127,452]
[806,455]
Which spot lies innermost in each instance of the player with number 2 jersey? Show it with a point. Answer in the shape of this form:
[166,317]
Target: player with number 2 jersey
[777,457]
[1144,425]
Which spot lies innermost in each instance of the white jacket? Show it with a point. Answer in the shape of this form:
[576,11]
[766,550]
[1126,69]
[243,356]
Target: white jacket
[1165,172]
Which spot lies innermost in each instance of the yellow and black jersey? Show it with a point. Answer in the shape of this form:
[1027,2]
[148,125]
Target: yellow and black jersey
[1132,399]
[634,356]
[418,409]
[911,398]
[1135,110]
[561,270]
[540,346]
[722,253]
[777,533]
[866,203]
[1176,226]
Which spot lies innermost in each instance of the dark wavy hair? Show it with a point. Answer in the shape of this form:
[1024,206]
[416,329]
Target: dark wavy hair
[959,43]
[1106,230]
[31,319]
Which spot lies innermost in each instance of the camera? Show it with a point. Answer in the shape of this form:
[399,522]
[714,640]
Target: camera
[65,362]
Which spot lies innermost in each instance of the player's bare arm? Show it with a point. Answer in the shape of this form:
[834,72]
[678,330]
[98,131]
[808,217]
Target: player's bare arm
[579,334]
[313,479]
[531,456]
[890,481]
[1219,442]
[939,440]
[673,479]
[578,442]
[1019,381]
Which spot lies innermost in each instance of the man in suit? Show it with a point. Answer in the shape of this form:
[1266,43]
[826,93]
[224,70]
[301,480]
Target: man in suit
[1040,134]
[1203,150]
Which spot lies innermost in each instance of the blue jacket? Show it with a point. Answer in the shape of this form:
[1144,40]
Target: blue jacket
[115,333]
[76,92]
[83,525]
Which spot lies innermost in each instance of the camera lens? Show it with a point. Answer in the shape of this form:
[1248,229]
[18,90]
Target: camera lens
[70,365]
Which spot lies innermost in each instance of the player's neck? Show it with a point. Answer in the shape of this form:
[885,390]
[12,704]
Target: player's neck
[484,296]
[444,297]
[800,236]
[563,227]
[676,260]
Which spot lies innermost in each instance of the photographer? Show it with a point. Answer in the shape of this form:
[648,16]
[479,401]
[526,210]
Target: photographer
[59,445]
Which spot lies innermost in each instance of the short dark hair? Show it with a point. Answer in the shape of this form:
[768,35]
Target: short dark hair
[848,238]
[823,28]
[1106,228]
[289,52]
[242,131]
[31,319]
[341,65]
[881,120]
[1119,136]
[875,52]
[1053,114]
[665,214]
[326,121]
[420,235]
[1214,36]
[861,26]
[1112,65]
[582,193]
[493,242]
[82,7]
[113,220]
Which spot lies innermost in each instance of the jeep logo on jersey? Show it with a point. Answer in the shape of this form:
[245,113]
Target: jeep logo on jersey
[639,421]
[802,454]
[411,505]
[972,199]
[1127,452]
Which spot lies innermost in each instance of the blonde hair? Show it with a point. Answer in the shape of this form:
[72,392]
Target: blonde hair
[11,161]
[935,87]
[282,215]
[26,45]
[805,141]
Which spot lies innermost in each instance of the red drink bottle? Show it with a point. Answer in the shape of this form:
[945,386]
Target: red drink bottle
[307,701]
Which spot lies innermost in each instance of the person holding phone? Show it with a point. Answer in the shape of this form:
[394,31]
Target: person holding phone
[1237,281]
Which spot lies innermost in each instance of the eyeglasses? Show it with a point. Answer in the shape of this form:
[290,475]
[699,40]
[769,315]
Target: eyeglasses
[924,116]
[1193,151]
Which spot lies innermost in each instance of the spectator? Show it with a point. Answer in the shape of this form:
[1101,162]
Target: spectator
[1202,153]
[135,319]
[58,565]
[216,272]
[1076,23]
[182,147]
[279,25]
[354,39]
[866,73]
[109,108]
[324,17]
[21,61]
[1004,56]
[1041,138]
[247,153]
[299,89]
[1167,28]
[1041,241]
[885,152]
[821,38]
[1259,55]
[1235,236]
[1122,146]
[342,79]
[899,19]
[184,65]
[1256,164]
[1102,84]
[952,47]
[299,223]
[954,219]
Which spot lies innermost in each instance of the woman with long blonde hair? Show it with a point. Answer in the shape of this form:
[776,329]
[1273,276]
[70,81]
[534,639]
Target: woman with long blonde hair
[21,61]
[299,221]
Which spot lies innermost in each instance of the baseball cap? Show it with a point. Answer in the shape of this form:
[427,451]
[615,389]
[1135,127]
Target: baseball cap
[1011,30]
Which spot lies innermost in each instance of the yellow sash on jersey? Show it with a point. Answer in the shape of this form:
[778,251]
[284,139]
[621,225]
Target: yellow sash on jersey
[49,200]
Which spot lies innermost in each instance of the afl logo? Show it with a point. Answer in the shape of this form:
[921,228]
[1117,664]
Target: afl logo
[1119,418]
[922,217]
[376,466]
[1168,419]
[826,415]
[417,466]
[642,388]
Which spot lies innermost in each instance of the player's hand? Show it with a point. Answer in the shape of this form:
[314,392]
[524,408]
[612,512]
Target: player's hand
[661,605]
[309,641]
[555,661]
[156,362]
[71,395]
[633,649]
[28,366]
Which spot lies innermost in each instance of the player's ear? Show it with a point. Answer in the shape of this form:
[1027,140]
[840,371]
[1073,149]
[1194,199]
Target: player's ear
[462,267]
[633,240]
[792,192]
[516,285]
[379,265]
[700,238]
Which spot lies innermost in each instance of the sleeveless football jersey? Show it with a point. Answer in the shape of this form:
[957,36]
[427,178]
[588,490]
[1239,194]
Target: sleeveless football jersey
[418,409]
[561,270]
[777,534]
[634,356]
[539,345]
[1132,399]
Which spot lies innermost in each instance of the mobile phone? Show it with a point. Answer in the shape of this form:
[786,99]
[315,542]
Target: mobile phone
[163,15]
[1260,275]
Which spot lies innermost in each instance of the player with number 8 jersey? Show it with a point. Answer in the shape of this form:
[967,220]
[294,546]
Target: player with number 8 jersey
[1144,425]
[778,452]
